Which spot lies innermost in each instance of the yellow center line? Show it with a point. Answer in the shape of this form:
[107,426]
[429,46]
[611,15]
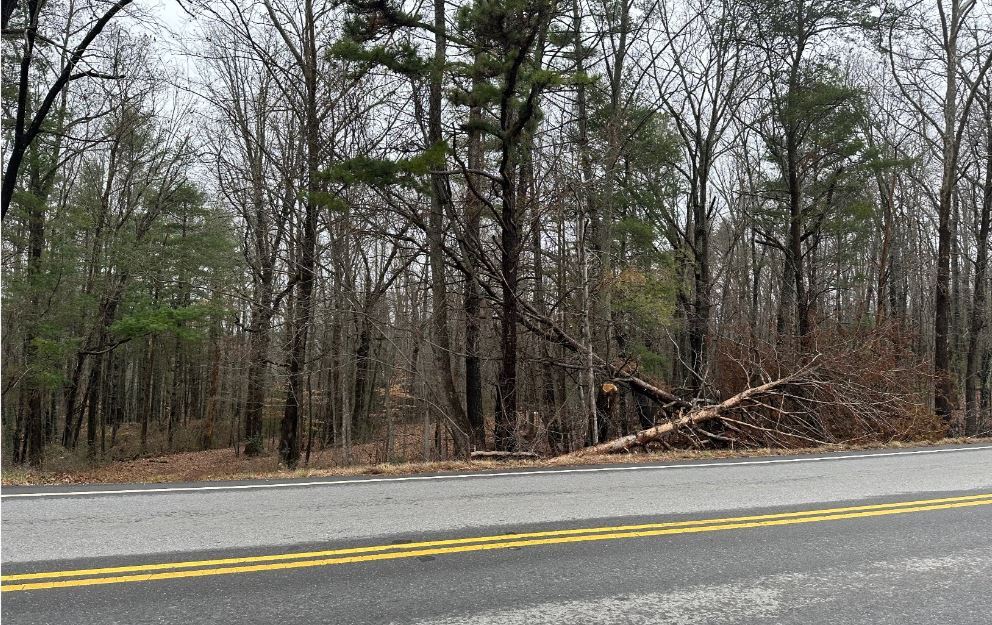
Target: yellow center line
[502,541]
[468,540]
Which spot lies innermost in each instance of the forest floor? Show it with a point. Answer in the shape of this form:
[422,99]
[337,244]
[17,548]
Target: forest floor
[224,464]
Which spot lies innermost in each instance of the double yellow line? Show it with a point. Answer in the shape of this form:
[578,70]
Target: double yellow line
[284,561]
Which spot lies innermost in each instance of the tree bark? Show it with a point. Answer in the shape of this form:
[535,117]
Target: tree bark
[363,368]
[33,418]
[258,344]
[976,326]
[213,394]
[289,443]
[457,419]
[943,384]
[506,384]
[472,303]
[93,407]
[585,200]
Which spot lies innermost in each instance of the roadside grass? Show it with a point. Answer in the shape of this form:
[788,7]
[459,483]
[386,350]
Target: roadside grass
[223,464]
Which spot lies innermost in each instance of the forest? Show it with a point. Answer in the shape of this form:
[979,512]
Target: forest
[394,230]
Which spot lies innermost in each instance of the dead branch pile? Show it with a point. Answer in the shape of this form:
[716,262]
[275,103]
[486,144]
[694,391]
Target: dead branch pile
[695,417]
[868,386]
[861,386]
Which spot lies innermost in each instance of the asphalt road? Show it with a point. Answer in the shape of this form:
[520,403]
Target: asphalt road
[891,537]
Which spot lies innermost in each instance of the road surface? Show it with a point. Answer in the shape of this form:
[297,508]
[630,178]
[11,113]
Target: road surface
[897,537]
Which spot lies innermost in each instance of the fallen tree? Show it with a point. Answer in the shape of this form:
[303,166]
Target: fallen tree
[699,415]
[863,385]
[503,455]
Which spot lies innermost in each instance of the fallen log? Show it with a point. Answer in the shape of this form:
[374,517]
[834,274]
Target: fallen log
[503,455]
[690,418]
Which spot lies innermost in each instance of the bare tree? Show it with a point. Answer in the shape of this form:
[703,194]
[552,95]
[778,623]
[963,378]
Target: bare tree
[69,63]
[945,113]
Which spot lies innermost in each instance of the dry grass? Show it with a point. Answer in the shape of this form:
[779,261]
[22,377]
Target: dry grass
[222,464]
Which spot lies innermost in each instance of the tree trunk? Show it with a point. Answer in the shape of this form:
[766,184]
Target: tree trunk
[95,384]
[470,245]
[213,395]
[585,201]
[258,350]
[549,405]
[699,314]
[146,404]
[289,444]
[457,419]
[34,440]
[943,384]
[506,384]
[174,398]
[362,370]
[979,301]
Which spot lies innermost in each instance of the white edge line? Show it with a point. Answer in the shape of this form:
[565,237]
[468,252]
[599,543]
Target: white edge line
[457,476]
